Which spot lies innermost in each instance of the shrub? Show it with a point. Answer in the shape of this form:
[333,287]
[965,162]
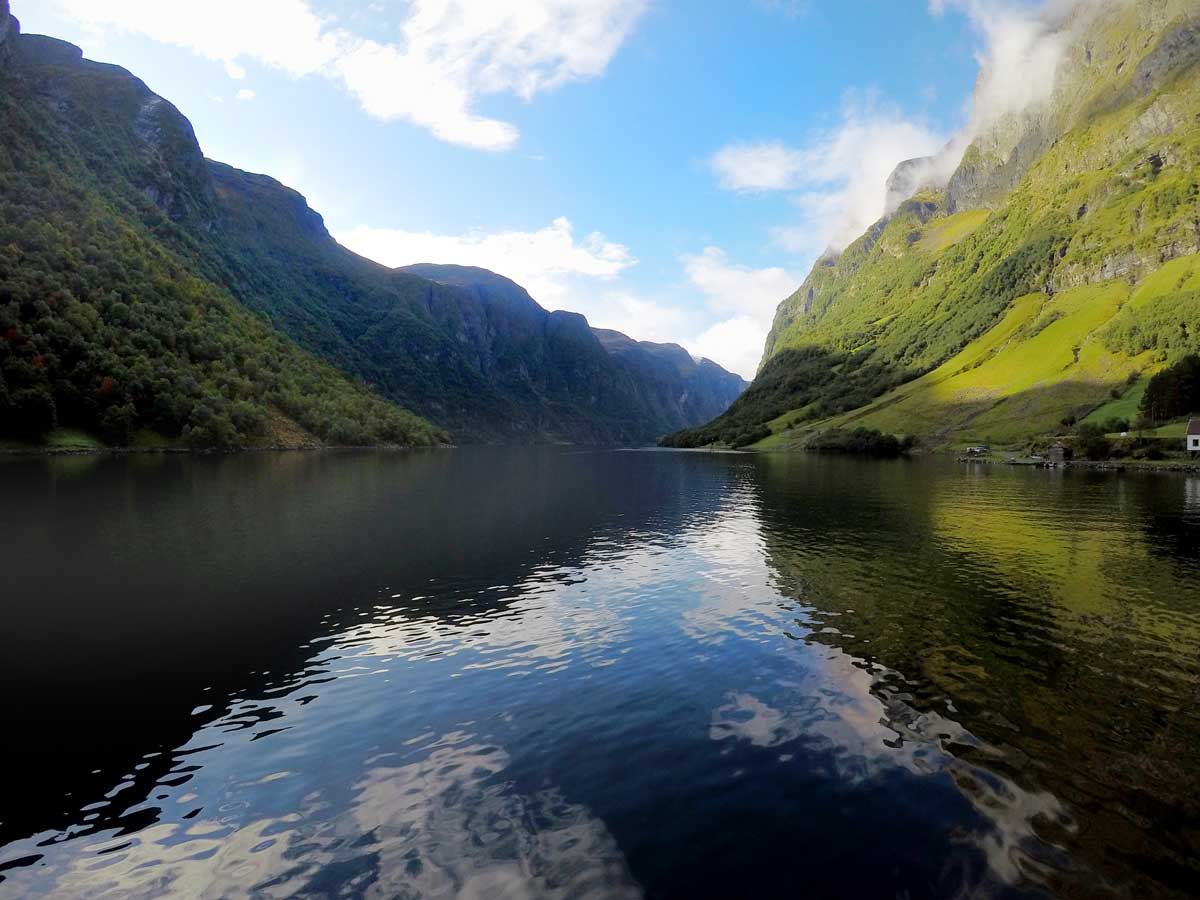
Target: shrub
[116,427]
[1092,443]
[750,436]
[860,441]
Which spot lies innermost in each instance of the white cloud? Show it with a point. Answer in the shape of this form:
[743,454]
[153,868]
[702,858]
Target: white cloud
[838,176]
[245,95]
[745,299]
[765,166]
[1024,45]
[732,288]
[449,53]
[547,262]
[735,344]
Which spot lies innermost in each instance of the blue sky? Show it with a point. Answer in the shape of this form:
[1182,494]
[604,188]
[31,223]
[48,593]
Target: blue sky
[667,168]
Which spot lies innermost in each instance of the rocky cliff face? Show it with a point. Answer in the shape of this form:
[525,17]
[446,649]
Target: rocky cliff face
[1114,53]
[908,178]
[89,97]
[10,28]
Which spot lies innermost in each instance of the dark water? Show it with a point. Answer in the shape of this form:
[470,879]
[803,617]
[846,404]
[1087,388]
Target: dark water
[505,674]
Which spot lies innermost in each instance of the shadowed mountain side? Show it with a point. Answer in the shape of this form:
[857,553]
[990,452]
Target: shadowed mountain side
[468,348]
[811,379]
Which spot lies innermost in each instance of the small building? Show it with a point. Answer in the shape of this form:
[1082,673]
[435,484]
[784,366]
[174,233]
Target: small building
[1059,453]
[1193,436]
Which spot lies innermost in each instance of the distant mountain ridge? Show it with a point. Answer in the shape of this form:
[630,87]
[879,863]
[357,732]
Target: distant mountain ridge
[466,349]
[664,381]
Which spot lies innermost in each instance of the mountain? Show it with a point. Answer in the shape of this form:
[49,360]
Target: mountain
[134,203]
[106,325]
[660,386]
[466,348]
[1044,282]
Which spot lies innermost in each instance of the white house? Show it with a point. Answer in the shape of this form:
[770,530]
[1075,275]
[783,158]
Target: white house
[1193,436]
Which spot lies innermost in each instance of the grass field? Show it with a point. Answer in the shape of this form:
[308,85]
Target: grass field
[1124,407]
[1046,356]
[947,232]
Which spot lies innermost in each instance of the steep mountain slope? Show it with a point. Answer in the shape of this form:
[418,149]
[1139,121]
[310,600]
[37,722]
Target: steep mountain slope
[467,348]
[475,355]
[1032,286]
[102,326]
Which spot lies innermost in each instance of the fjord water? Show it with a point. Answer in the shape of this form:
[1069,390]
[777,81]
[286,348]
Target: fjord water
[561,673]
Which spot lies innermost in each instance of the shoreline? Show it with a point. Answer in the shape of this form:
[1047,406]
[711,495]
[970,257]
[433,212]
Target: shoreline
[1099,465]
[194,451]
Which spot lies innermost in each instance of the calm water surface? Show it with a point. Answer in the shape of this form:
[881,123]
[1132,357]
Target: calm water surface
[538,673]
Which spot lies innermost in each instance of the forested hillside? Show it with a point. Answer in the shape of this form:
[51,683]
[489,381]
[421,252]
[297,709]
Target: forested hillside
[105,325]
[1052,275]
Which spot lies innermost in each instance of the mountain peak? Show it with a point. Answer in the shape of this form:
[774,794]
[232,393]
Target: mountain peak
[484,283]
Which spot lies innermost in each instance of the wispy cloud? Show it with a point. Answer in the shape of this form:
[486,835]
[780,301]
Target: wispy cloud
[762,166]
[448,54]
[1019,57]
[838,175]
[789,9]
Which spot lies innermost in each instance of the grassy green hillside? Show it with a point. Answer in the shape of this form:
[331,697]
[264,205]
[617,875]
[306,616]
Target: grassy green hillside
[107,335]
[1070,281]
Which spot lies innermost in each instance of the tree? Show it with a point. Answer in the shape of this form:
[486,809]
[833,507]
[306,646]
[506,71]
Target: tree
[32,412]
[116,426]
[1173,392]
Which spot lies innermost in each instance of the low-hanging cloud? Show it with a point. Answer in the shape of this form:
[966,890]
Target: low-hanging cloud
[837,176]
[1022,49]
[448,53]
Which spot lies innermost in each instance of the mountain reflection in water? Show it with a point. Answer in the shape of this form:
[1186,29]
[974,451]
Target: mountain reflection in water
[549,673]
